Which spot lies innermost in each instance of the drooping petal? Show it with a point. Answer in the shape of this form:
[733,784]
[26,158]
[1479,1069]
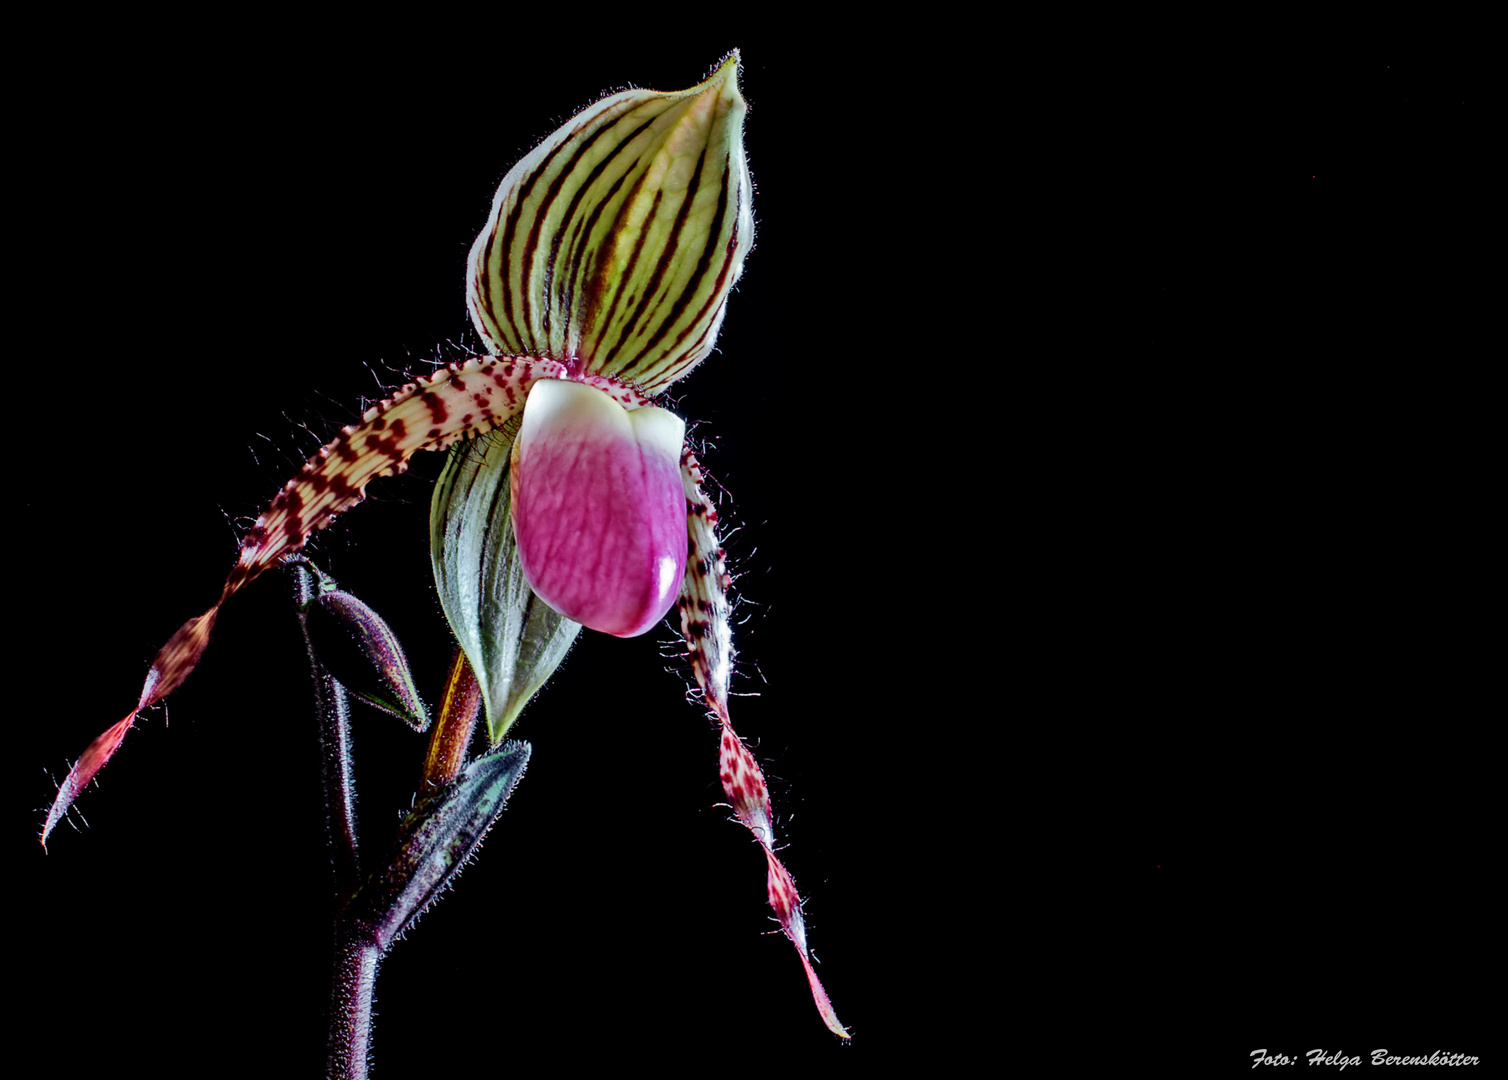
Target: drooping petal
[709,642]
[614,244]
[597,507]
[456,401]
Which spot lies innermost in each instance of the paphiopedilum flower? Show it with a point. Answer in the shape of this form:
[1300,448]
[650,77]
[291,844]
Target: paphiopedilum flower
[602,276]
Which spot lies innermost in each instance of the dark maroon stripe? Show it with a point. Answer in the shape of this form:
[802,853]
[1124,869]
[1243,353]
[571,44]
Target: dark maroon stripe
[718,295]
[594,305]
[703,265]
[570,216]
[571,272]
[679,305]
[525,188]
[654,280]
[483,281]
[526,340]
[594,275]
[532,244]
[509,230]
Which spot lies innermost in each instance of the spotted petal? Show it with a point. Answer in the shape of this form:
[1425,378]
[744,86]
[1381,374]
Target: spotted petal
[455,401]
[709,643]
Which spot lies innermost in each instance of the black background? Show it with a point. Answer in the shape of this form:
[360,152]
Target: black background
[1100,415]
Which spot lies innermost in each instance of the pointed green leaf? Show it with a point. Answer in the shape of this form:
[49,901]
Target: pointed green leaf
[434,842]
[513,639]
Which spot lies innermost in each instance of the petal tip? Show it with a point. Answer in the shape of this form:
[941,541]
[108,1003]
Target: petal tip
[89,763]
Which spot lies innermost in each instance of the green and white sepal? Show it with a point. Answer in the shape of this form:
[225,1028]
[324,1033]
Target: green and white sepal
[613,245]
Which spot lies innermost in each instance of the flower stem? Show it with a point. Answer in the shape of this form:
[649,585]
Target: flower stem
[351,1008]
[332,711]
[453,730]
[356,956]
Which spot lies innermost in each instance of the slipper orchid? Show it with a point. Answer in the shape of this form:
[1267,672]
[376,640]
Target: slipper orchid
[601,277]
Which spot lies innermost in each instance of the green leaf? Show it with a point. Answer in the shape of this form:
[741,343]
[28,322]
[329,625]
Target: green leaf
[434,841]
[513,639]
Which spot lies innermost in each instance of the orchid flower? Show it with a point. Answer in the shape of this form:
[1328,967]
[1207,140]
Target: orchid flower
[600,278]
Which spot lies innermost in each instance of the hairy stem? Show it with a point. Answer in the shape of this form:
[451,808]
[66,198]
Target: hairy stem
[333,719]
[355,961]
[351,1008]
[452,732]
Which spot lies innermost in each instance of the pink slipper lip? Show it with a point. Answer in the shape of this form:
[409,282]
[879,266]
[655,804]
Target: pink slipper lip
[599,511]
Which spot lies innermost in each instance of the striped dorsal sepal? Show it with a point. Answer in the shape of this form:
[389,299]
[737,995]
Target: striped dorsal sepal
[709,644]
[617,240]
[457,400]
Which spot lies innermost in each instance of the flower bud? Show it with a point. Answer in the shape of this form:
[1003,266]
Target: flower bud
[363,653]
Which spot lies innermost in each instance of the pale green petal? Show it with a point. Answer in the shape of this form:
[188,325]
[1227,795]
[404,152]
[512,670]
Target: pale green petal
[512,638]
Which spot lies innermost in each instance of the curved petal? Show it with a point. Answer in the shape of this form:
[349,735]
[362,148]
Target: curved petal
[709,643]
[598,508]
[430,414]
